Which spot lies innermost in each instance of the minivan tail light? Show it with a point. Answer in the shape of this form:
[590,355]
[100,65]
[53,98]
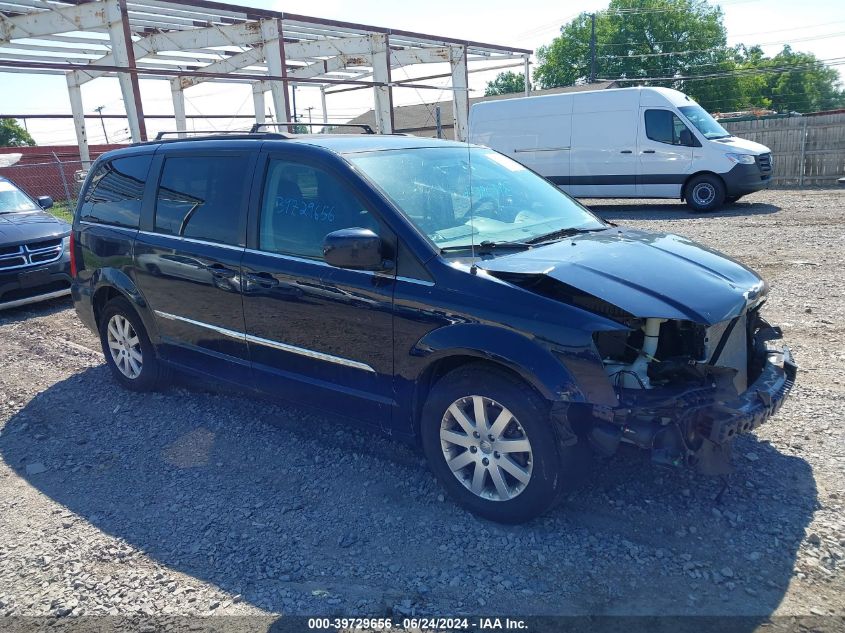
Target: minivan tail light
[72,256]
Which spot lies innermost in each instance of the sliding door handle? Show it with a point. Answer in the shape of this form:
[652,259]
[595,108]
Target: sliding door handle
[648,151]
[625,151]
[263,279]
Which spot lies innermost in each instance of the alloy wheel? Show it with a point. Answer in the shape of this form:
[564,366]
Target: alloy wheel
[124,346]
[486,448]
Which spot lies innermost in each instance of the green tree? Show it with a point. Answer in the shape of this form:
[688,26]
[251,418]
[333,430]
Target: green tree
[682,44]
[795,81]
[645,38]
[505,83]
[13,135]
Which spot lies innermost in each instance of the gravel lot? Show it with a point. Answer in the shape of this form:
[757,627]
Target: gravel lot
[198,502]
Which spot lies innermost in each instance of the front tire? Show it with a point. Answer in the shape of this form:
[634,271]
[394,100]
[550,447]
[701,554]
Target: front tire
[489,439]
[127,348]
[705,193]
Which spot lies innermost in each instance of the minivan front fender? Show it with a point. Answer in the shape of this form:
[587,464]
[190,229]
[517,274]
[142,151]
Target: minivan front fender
[536,363]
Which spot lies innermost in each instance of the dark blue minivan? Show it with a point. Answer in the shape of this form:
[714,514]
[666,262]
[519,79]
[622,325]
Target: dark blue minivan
[438,292]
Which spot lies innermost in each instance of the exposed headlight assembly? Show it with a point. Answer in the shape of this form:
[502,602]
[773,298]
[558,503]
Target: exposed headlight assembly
[743,159]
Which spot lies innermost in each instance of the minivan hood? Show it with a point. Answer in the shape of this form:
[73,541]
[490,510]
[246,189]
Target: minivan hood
[645,274]
[742,146]
[27,226]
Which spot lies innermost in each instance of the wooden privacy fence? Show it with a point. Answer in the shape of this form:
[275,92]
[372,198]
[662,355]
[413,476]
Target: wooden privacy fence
[808,151]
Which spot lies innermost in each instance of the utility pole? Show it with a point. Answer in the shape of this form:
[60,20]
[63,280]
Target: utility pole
[308,109]
[593,49]
[102,122]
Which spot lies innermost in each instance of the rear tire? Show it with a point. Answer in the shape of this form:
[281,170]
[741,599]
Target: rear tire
[705,193]
[129,353]
[514,469]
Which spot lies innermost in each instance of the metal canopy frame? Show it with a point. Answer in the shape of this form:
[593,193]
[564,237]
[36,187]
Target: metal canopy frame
[193,41]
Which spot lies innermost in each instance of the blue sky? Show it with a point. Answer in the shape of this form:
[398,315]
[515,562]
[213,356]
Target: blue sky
[817,26]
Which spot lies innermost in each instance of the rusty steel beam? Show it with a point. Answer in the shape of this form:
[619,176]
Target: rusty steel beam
[390,85]
[252,13]
[402,83]
[130,53]
[166,72]
[123,116]
[285,116]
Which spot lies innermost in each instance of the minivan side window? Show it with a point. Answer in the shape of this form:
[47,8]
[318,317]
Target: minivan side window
[664,126]
[115,191]
[301,205]
[201,197]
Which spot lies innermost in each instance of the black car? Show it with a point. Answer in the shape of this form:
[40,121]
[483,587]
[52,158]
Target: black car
[438,292]
[34,253]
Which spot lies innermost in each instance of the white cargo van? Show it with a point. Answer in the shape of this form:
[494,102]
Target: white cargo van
[625,143]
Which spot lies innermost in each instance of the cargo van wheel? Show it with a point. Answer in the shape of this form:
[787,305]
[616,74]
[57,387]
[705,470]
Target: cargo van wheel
[705,193]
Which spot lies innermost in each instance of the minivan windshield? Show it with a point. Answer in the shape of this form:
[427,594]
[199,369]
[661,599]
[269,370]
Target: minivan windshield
[13,199]
[459,196]
[703,122]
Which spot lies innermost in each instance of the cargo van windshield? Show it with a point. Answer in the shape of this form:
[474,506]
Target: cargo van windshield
[459,196]
[703,122]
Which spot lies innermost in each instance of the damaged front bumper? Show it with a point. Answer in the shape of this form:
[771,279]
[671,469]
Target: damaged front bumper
[760,402]
[696,427]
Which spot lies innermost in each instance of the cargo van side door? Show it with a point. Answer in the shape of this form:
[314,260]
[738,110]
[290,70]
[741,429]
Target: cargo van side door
[541,141]
[664,153]
[602,161]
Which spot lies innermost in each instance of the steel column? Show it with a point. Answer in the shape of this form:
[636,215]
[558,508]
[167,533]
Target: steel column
[74,91]
[383,94]
[258,102]
[178,95]
[460,91]
[527,76]
[323,104]
[124,56]
[274,51]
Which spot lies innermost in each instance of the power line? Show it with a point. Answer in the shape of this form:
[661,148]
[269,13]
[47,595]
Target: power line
[836,61]
[722,48]
[560,23]
[714,66]
[547,26]
[772,96]
[638,11]
[794,28]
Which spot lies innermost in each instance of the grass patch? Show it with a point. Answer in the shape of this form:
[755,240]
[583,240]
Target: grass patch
[62,210]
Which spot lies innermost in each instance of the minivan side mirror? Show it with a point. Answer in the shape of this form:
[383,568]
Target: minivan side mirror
[355,248]
[687,139]
[45,202]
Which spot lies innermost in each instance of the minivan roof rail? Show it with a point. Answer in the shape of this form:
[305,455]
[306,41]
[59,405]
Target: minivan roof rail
[259,126]
[184,133]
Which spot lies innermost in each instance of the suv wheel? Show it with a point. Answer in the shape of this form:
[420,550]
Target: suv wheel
[127,348]
[488,438]
[705,193]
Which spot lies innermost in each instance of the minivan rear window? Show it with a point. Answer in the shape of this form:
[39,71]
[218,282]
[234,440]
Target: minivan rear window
[116,190]
[201,197]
